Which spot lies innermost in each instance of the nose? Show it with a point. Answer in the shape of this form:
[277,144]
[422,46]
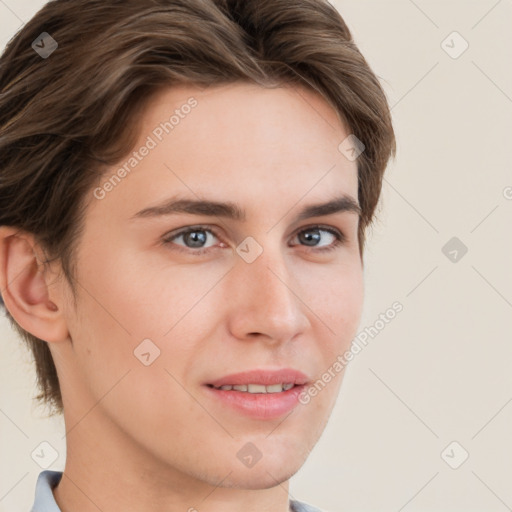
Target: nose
[266,303]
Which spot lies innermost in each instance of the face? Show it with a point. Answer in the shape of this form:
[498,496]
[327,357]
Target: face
[173,301]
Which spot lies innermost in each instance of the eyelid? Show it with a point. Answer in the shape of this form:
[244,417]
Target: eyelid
[327,227]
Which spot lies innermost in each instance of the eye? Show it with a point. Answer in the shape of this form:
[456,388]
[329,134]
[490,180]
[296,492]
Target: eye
[195,237]
[312,235]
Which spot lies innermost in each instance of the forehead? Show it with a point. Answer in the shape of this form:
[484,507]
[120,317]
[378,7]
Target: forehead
[236,142]
[244,109]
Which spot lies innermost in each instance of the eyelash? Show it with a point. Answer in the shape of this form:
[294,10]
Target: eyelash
[340,238]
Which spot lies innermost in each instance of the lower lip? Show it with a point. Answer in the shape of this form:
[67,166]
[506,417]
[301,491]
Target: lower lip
[263,406]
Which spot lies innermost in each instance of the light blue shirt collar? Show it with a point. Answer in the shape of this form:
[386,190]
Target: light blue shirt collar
[44,500]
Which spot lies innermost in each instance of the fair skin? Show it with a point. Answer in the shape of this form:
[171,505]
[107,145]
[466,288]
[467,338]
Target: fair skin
[146,438]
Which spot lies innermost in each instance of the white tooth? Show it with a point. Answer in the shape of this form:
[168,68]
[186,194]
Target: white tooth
[286,387]
[275,388]
[226,388]
[256,388]
[241,387]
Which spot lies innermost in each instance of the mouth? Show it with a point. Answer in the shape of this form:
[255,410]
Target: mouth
[259,394]
[262,381]
[255,388]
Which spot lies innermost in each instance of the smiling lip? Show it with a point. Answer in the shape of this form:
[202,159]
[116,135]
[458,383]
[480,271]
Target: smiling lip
[265,377]
[259,405]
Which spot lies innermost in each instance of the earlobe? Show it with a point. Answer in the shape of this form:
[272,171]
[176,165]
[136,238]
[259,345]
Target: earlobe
[24,288]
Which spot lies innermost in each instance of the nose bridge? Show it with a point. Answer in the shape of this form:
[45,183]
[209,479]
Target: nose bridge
[271,281]
[266,301]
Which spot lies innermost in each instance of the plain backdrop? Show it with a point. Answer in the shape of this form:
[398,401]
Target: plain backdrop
[423,419]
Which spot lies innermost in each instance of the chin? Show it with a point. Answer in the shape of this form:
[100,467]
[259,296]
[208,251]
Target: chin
[265,477]
[277,465]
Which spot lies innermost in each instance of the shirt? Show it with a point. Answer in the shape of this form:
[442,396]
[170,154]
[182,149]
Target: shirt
[48,479]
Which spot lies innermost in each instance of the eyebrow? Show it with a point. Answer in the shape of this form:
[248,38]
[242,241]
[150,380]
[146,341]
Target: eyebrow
[230,210]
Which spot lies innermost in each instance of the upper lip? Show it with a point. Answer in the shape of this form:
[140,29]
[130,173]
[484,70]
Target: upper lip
[264,377]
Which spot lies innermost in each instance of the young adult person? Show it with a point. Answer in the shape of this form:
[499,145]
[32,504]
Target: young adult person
[185,187]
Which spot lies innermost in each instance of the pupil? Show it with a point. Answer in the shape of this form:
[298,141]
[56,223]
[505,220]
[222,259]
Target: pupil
[193,235]
[308,237]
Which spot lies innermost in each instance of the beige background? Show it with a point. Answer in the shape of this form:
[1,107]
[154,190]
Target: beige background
[440,371]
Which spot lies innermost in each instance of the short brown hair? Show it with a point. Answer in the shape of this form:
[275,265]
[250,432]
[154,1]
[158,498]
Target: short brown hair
[65,116]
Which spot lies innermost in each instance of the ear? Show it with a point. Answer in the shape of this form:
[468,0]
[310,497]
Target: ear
[24,288]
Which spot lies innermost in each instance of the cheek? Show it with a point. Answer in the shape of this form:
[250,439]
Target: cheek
[153,294]
[129,303]
[336,295]
[337,313]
